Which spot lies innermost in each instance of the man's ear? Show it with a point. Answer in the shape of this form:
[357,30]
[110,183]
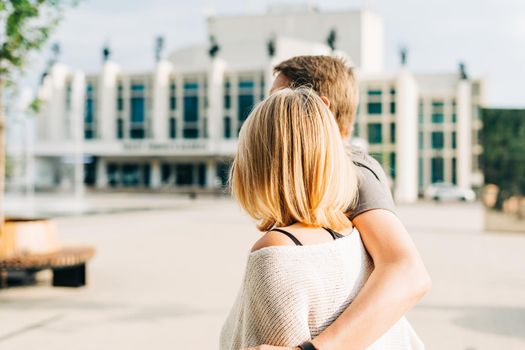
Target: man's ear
[326,101]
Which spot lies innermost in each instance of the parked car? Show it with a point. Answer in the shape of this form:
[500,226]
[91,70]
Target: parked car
[446,191]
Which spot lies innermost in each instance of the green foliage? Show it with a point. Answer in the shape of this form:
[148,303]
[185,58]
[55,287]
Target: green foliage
[503,139]
[27,25]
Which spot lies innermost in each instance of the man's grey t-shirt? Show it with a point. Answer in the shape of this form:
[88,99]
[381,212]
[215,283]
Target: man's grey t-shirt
[374,192]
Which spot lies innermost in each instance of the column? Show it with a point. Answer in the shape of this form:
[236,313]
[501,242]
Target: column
[406,138]
[215,98]
[161,82]
[155,173]
[78,89]
[464,134]
[211,174]
[56,112]
[102,178]
[106,99]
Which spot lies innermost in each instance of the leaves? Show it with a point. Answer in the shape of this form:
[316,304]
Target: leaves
[28,26]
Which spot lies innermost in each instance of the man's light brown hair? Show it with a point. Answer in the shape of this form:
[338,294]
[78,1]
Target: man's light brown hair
[329,76]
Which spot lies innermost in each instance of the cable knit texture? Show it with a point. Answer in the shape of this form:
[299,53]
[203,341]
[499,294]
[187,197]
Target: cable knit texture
[290,294]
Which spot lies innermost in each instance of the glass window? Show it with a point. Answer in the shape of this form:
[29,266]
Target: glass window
[454,115]
[421,111]
[392,101]
[374,105]
[88,116]
[131,175]
[227,128]
[120,128]
[166,173]
[375,133]
[201,174]
[173,128]
[137,88]
[184,174]
[146,175]
[173,96]
[223,172]
[437,169]
[454,170]
[453,140]
[246,103]
[393,132]
[90,172]
[437,140]
[421,139]
[191,108]
[374,108]
[191,86]
[438,116]
[421,172]
[392,108]
[190,133]
[137,109]
[120,104]
[246,84]
[227,101]
[120,99]
[137,133]
[113,174]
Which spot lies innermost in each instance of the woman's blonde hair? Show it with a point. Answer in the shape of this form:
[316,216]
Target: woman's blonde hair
[291,165]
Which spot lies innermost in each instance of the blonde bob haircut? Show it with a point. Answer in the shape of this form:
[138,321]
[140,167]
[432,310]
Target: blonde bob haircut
[291,165]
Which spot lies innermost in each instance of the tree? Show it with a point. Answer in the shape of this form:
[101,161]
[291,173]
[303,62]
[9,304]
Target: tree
[503,139]
[25,26]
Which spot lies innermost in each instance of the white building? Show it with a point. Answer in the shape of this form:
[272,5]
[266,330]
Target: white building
[176,126]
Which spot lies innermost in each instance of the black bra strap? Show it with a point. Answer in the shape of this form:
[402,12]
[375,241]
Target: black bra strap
[292,237]
[335,235]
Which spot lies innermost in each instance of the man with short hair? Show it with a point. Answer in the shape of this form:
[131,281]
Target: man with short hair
[399,279]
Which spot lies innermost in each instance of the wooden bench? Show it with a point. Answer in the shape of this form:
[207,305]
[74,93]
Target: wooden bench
[68,265]
[32,245]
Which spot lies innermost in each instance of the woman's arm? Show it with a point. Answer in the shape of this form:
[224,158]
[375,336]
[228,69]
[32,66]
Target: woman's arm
[398,282]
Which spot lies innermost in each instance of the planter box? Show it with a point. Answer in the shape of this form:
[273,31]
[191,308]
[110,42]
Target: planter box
[28,236]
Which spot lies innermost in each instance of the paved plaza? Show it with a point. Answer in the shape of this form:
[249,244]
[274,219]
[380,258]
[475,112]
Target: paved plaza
[168,268]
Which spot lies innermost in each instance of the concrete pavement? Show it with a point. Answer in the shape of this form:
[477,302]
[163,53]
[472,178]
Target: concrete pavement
[166,278]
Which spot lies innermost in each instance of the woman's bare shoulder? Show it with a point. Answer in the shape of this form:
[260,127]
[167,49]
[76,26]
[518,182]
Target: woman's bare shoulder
[271,239]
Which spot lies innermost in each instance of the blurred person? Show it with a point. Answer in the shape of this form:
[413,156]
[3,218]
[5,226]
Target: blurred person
[292,174]
[399,279]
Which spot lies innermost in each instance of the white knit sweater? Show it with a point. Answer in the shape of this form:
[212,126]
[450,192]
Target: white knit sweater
[290,294]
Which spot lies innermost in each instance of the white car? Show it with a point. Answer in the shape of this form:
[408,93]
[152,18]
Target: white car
[446,191]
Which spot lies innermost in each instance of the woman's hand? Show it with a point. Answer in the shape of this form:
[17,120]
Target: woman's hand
[270,347]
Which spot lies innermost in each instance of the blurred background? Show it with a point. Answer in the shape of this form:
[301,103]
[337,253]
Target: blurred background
[121,121]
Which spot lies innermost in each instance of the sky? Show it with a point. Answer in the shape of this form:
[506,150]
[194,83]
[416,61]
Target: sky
[488,35]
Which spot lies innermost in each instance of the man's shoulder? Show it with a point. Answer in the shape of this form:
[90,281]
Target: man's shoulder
[374,187]
[366,162]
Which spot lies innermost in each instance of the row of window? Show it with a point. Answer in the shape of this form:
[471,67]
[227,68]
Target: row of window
[177,174]
[192,127]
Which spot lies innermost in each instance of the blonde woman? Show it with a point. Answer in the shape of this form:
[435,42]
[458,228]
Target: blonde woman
[292,175]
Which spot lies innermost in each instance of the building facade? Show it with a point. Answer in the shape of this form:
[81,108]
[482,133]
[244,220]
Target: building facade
[176,127]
